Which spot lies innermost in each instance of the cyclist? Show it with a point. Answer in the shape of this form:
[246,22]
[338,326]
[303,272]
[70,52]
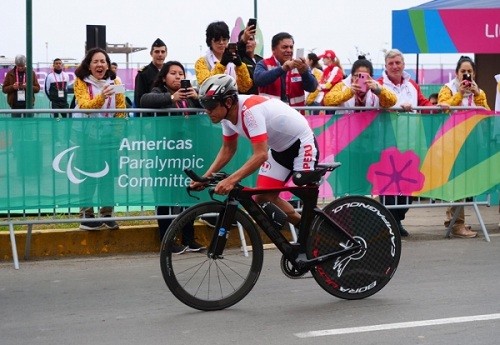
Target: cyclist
[281,139]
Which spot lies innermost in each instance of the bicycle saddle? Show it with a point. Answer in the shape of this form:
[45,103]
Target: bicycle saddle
[302,178]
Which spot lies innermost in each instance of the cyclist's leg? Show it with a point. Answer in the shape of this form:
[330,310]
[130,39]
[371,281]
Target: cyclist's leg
[302,155]
[292,215]
[285,206]
[274,175]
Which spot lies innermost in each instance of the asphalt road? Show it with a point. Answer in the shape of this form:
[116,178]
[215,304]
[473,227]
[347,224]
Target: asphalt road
[444,292]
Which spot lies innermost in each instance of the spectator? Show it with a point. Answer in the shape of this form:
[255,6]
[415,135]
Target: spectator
[281,76]
[409,95]
[246,50]
[219,59]
[462,91]
[433,98]
[399,81]
[114,68]
[332,74]
[14,86]
[146,76]
[94,89]
[312,61]
[167,93]
[56,88]
[350,93]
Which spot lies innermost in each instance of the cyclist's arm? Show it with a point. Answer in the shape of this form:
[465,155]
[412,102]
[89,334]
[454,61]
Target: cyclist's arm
[259,156]
[226,152]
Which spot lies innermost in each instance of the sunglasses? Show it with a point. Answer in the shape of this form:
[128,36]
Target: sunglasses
[209,103]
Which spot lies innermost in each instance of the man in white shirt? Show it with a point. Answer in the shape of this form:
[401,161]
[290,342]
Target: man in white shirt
[56,87]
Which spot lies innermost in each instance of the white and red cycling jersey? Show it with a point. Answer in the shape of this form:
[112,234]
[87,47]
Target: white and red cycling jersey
[292,146]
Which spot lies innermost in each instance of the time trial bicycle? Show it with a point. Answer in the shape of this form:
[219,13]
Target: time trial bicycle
[351,246]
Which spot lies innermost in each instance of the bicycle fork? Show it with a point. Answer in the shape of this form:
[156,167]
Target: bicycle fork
[222,228]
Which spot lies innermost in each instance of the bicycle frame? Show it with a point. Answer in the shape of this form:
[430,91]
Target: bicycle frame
[349,246]
[294,252]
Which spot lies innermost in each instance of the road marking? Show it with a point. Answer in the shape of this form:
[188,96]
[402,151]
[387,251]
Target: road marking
[399,325]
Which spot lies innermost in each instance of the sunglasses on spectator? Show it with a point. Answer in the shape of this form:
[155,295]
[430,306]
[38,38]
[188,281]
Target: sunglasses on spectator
[220,40]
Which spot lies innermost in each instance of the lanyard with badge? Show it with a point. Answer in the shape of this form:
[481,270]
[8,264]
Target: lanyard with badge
[21,94]
[60,89]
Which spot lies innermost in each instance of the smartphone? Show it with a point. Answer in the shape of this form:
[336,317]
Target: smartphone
[252,22]
[362,78]
[232,47]
[300,53]
[119,88]
[185,84]
[467,79]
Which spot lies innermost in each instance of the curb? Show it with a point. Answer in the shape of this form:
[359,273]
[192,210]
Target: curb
[76,242]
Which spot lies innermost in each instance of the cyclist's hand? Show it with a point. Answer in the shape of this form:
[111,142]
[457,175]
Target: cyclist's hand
[197,185]
[224,187]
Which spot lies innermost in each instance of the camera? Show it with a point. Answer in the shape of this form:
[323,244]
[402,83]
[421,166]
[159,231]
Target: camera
[185,84]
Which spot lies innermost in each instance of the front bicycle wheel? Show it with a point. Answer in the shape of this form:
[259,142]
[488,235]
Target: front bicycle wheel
[207,282]
[363,273]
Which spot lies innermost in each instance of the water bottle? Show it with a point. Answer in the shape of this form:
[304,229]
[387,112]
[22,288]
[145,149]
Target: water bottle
[276,215]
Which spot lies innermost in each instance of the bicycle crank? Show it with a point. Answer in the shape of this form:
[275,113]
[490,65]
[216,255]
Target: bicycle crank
[290,271]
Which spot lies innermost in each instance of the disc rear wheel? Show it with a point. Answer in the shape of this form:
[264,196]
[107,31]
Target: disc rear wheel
[364,272]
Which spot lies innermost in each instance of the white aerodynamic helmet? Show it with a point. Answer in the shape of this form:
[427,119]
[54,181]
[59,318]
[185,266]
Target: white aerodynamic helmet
[216,89]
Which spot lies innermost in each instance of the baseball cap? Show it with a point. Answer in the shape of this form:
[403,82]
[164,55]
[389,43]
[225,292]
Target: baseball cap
[328,53]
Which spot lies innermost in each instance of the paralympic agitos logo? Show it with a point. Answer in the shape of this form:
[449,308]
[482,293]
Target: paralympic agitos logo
[70,170]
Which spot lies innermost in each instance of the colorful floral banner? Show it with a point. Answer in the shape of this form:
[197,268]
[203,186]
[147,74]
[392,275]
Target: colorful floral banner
[439,156]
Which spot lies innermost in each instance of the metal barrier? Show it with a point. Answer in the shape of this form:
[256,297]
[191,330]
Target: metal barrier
[12,221]
[421,202]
